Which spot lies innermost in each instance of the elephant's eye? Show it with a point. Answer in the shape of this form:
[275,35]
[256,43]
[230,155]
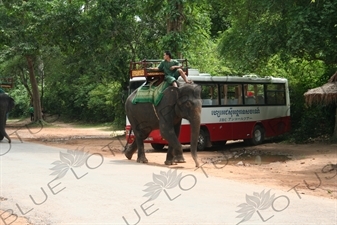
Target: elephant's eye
[188,103]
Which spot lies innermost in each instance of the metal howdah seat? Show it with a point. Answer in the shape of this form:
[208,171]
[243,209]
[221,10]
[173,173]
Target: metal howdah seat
[6,82]
[148,68]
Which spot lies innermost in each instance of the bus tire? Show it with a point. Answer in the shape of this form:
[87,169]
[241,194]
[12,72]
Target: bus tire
[257,136]
[157,147]
[203,140]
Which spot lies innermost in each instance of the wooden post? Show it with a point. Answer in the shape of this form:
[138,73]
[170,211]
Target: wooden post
[334,136]
[225,90]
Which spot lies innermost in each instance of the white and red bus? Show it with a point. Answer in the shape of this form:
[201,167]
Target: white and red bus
[233,108]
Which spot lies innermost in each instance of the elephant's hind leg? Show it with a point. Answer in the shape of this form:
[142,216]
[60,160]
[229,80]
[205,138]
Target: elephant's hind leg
[130,150]
[4,134]
[133,148]
[9,139]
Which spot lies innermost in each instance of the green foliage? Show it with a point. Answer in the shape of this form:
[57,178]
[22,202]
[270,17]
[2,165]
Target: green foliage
[22,102]
[315,124]
[101,102]
[302,76]
[178,26]
[219,18]
[207,59]
[263,28]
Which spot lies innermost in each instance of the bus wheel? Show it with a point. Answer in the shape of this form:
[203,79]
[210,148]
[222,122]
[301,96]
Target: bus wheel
[157,147]
[203,139]
[258,136]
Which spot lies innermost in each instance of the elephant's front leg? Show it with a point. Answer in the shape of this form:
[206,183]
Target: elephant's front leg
[174,153]
[179,158]
[178,154]
[170,156]
[173,158]
[141,153]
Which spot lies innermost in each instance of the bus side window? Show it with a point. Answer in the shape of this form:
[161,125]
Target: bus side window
[254,94]
[260,99]
[250,100]
[206,101]
[209,94]
[204,92]
[231,94]
[276,94]
[259,93]
[250,93]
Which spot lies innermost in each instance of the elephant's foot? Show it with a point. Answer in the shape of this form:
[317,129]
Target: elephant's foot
[179,159]
[142,160]
[170,162]
[128,154]
[6,136]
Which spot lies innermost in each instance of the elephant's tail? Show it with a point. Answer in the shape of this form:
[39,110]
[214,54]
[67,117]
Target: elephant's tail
[127,141]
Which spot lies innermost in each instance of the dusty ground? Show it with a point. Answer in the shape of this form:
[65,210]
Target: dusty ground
[310,169]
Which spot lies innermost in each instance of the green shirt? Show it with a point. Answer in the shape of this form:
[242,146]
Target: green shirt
[165,67]
[2,91]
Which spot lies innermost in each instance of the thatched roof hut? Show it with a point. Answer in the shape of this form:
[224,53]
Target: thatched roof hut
[325,94]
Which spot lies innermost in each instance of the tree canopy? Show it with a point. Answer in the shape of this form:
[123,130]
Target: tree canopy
[294,29]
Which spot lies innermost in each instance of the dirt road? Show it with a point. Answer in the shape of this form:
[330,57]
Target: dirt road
[308,169]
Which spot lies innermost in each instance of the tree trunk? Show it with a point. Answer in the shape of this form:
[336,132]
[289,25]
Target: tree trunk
[24,80]
[174,24]
[35,90]
[334,136]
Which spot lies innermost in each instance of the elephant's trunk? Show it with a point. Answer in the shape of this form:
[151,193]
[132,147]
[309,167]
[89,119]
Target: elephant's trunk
[195,128]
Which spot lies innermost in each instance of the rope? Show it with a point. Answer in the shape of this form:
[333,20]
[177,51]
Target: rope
[155,112]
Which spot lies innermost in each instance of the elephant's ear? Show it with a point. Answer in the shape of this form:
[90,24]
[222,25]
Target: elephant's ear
[171,95]
[197,91]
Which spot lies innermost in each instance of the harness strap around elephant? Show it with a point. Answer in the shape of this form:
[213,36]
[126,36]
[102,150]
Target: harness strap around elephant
[155,111]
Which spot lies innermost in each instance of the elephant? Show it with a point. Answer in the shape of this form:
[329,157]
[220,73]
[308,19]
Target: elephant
[177,103]
[6,105]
